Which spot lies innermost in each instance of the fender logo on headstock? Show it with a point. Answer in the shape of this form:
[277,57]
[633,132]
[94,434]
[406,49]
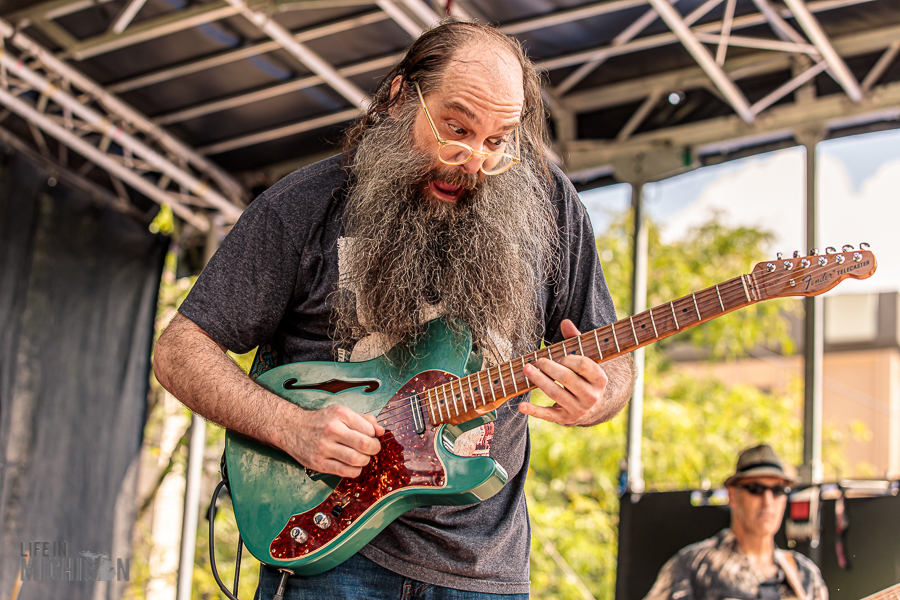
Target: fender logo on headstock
[819,280]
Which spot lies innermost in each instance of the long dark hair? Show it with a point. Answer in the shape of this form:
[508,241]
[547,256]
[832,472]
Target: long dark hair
[425,63]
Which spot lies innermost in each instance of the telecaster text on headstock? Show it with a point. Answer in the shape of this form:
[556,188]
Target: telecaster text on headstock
[854,267]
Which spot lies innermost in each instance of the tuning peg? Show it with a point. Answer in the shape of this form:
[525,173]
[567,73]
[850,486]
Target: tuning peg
[804,263]
[796,254]
[769,267]
[823,261]
[839,259]
[857,256]
[788,265]
[779,255]
[814,251]
[830,250]
[864,246]
[846,247]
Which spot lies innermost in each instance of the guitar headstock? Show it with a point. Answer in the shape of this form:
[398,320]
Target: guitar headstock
[813,274]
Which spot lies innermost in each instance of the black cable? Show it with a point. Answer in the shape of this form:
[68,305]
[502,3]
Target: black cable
[237,563]
[211,515]
[282,584]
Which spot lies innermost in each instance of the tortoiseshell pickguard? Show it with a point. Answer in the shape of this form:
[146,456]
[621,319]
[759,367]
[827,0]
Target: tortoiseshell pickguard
[406,460]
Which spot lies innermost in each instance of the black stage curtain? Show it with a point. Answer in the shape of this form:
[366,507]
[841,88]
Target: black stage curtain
[78,292]
[652,528]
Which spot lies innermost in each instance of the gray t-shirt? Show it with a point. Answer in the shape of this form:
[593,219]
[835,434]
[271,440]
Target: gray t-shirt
[272,280]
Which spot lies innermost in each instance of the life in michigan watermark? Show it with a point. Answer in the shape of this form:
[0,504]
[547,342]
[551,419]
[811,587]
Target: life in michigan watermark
[50,561]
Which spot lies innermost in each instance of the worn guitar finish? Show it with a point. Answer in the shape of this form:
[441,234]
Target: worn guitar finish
[406,461]
[332,518]
[308,522]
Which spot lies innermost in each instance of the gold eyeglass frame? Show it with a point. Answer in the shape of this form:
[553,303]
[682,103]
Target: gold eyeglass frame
[472,152]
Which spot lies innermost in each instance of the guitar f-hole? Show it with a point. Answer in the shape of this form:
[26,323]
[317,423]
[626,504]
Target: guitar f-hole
[333,386]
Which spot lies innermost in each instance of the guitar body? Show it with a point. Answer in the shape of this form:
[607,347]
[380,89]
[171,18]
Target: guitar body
[308,522]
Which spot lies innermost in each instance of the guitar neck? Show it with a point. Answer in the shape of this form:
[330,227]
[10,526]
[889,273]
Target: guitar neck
[479,393]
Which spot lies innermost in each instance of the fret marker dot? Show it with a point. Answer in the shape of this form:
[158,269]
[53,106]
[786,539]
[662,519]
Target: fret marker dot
[684,310]
[606,340]
[643,326]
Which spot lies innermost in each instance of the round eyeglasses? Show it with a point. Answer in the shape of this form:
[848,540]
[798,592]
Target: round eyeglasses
[456,153]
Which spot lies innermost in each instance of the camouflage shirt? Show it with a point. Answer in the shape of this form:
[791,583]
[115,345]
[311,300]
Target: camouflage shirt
[714,569]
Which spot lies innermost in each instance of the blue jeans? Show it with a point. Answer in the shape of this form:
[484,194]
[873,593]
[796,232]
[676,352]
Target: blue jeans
[358,578]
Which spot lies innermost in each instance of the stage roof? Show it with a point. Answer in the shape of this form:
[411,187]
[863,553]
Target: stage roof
[206,102]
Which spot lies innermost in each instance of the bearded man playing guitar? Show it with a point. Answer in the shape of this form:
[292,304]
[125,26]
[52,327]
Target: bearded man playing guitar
[442,205]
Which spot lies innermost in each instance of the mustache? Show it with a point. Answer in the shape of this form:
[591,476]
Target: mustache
[454,176]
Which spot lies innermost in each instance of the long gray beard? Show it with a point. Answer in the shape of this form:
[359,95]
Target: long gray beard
[482,259]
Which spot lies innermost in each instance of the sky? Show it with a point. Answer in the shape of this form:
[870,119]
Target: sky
[859,201]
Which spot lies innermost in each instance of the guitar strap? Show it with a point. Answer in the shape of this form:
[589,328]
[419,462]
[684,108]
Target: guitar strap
[266,358]
[787,563]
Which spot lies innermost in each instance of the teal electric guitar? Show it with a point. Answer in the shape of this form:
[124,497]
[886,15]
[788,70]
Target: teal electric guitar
[307,522]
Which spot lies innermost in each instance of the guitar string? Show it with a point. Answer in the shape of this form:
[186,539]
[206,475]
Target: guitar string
[740,293]
[706,304]
[404,405]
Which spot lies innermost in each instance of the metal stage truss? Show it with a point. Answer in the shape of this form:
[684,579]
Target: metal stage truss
[188,103]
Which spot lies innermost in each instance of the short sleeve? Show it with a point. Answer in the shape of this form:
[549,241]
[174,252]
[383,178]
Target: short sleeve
[580,292]
[811,577]
[240,297]
[673,582]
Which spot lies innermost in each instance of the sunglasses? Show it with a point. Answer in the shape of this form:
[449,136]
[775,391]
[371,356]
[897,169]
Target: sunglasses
[758,489]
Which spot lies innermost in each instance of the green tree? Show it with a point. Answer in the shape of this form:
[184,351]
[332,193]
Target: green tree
[707,255]
[693,428]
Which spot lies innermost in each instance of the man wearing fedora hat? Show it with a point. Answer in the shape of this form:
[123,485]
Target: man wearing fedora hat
[742,561]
